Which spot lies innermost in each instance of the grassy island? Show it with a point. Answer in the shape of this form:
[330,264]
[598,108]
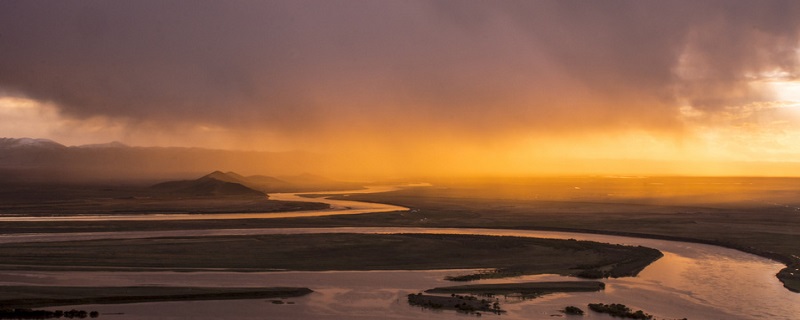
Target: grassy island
[524,289]
[504,256]
[480,298]
[15,297]
[465,304]
[620,311]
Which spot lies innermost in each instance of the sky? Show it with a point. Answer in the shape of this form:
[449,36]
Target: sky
[397,87]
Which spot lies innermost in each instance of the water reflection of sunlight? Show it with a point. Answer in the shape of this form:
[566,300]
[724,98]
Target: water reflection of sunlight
[667,270]
[691,280]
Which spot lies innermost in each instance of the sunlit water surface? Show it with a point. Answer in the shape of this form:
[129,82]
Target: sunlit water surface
[691,280]
[695,281]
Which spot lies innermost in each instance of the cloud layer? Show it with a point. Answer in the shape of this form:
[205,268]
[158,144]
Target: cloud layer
[308,70]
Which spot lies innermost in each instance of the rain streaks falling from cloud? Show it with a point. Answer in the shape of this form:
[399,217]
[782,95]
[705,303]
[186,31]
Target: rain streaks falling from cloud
[473,75]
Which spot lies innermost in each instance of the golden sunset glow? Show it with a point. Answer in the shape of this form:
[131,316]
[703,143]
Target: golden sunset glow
[400,159]
[422,90]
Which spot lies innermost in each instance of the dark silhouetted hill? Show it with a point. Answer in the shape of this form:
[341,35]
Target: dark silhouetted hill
[214,184]
[226,183]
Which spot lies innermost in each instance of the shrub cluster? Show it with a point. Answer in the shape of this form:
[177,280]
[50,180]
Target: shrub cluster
[619,310]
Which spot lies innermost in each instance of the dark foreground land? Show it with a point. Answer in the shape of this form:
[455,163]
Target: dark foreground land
[31,297]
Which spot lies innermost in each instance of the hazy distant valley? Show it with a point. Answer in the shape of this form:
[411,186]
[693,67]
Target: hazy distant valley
[46,180]
[40,160]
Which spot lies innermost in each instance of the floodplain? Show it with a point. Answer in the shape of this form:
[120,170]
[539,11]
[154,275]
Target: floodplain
[752,215]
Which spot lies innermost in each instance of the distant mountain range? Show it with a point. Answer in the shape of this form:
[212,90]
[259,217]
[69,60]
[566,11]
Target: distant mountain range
[28,143]
[42,160]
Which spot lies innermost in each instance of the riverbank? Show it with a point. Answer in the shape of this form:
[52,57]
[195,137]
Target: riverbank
[524,215]
[12,297]
[754,215]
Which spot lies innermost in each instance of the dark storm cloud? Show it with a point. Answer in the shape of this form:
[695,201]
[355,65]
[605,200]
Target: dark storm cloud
[293,65]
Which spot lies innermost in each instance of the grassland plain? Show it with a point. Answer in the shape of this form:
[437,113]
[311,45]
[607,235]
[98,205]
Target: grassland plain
[50,200]
[508,256]
[756,215]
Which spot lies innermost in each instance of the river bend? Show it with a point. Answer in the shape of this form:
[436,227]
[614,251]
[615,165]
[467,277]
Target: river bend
[695,281]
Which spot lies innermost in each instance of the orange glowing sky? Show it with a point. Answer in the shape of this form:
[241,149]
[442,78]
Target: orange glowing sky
[415,87]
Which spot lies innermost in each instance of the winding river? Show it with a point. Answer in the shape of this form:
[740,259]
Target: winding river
[695,281]
[337,207]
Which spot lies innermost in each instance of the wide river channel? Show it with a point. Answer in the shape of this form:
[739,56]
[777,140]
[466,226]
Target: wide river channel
[693,281]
